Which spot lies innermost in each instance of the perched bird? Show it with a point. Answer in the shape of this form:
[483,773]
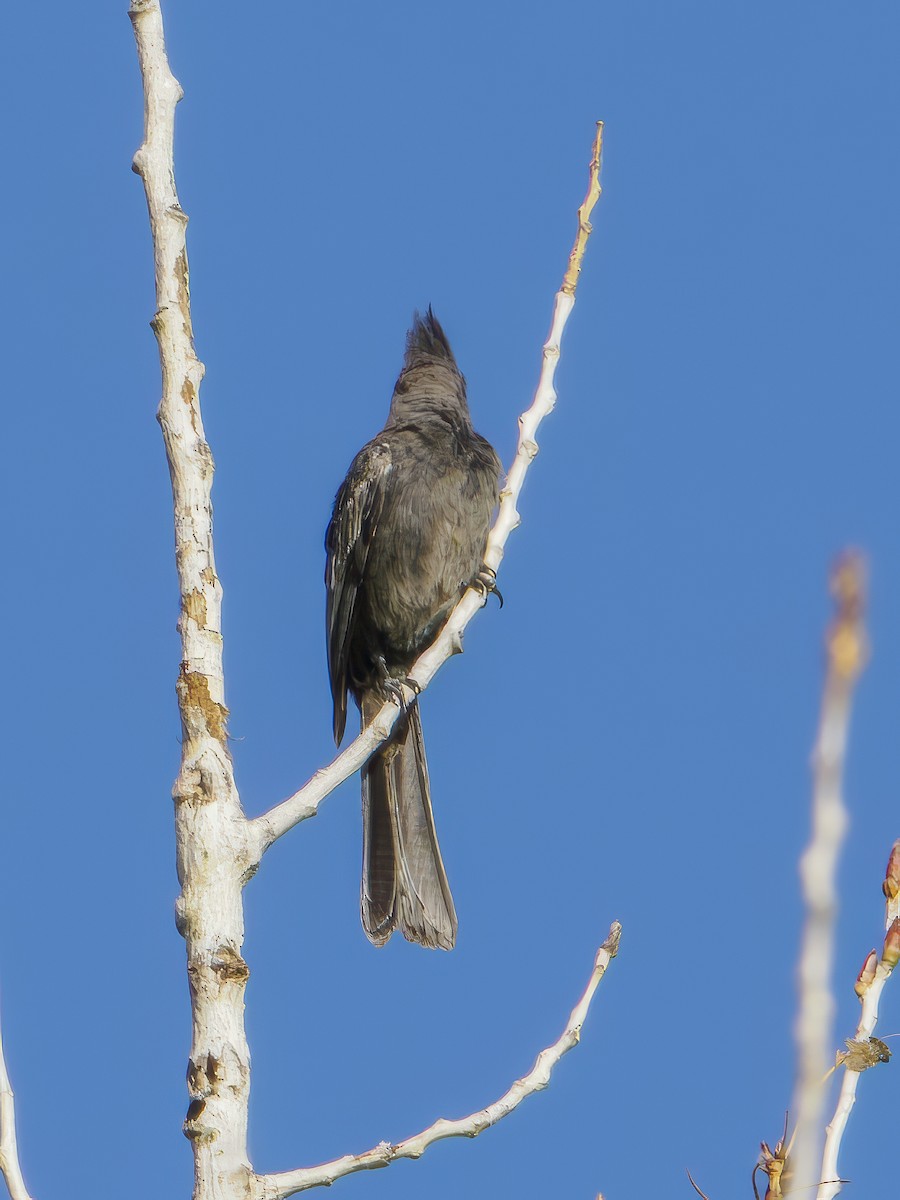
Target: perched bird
[406,538]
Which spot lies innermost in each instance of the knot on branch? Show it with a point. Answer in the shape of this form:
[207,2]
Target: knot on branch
[209,1077]
[229,966]
[194,1129]
[203,1076]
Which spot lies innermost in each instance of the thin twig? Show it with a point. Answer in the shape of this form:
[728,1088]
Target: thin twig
[266,829]
[276,1187]
[846,656]
[570,279]
[10,1167]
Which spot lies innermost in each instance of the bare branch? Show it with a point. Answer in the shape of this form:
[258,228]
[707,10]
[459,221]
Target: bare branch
[869,986]
[703,1195]
[267,828]
[570,279]
[10,1168]
[276,1187]
[846,651]
[210,827]
[217,848]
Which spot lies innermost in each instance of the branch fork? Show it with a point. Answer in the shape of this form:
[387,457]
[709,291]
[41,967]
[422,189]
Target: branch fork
[218,848]
[266,829]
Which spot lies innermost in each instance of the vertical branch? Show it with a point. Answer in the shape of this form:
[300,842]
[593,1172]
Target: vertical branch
[210,826]
[10,1168]
[846,651]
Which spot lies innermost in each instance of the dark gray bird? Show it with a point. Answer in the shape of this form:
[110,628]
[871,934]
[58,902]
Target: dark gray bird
[406,538]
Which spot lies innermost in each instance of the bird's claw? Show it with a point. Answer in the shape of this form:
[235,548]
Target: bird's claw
[395,692]
[394,686]
[485,582]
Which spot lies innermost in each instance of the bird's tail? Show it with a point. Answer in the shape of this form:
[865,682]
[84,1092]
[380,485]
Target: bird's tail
[404,885]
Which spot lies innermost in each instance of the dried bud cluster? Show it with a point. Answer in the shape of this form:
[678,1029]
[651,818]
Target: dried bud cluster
[775,1165]
[862,1053]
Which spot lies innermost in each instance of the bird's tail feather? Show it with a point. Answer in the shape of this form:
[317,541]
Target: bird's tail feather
[404,885]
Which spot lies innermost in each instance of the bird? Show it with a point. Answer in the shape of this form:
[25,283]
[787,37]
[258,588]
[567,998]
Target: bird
[406,538]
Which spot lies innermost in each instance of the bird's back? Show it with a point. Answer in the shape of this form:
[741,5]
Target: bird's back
[430,538]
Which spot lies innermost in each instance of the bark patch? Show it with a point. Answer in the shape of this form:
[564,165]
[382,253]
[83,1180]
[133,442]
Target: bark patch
[195,608]
[193,688]
[182,275]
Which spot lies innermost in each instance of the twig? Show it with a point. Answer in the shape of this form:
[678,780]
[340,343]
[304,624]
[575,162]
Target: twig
[10,1168]
[869,986]
[846,651]
[570,279]
[276,1187]
[267,828]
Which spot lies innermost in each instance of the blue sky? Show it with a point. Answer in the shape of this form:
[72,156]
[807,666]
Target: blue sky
[629,738]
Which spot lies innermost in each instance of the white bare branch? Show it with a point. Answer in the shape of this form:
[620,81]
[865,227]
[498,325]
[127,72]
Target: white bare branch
[217,848]
[869,986]
[276,1187]
[818,866]
[209,824]
[267,828]
[10,1168]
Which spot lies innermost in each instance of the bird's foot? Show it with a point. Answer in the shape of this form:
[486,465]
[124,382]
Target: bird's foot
[485,582]
[394,686]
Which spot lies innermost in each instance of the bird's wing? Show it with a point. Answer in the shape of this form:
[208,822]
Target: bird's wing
[357,510]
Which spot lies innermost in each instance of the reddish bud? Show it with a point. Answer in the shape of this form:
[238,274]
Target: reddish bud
[890,955]
[891,885]
[866,974]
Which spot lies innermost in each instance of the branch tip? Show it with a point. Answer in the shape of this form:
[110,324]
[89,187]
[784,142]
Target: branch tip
[570,279]
[694,1186]
[846,651]
[611,945]
[846,639]
[891,885]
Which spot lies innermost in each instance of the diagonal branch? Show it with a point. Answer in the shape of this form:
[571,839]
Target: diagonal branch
[10,1168]
[266,829]
[286,1183]
[846,651]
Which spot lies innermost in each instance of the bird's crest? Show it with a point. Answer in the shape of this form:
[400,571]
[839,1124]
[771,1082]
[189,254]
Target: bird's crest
[426,339]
